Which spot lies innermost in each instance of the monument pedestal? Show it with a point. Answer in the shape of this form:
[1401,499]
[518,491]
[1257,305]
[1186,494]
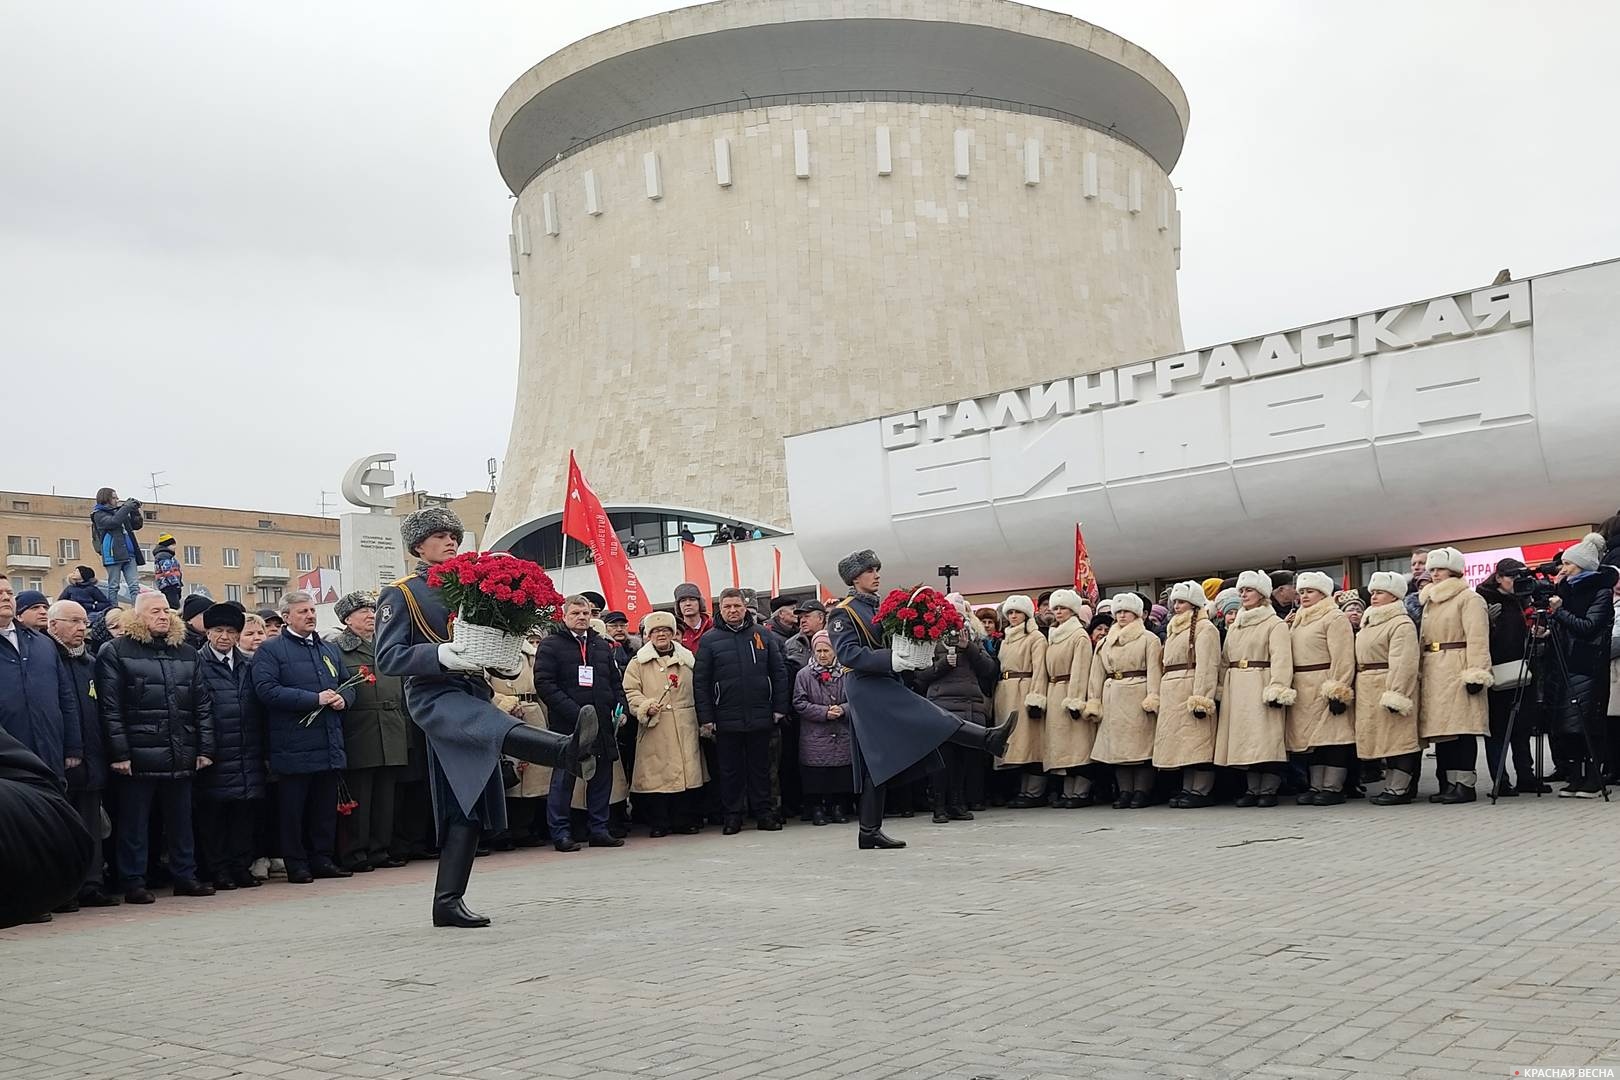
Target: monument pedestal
[373,555]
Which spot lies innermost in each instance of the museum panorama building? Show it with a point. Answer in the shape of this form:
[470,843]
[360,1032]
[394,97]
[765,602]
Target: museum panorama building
[902,274]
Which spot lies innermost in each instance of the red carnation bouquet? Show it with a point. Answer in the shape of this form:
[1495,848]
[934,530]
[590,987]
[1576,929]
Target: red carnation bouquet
[498,600]
[916,620]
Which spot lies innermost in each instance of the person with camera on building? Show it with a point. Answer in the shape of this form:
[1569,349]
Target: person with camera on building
[1580,616]
[1455,673]
[1507,602]
[113,525]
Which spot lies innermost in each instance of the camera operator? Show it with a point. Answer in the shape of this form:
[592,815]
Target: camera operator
[1509,606]
[1580,618]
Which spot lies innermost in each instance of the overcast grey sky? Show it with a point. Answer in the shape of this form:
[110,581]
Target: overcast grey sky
[266,223]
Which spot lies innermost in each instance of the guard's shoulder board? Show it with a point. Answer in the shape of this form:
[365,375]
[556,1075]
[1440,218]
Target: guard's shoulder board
[400,583]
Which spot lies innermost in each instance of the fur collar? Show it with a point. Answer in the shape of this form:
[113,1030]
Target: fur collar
[349,641]
[1063,631]
[1254,616]
[1323,608]
[1016,633]
[137,630]
[1378,614]
[1181,620]
[1125,633]
[1438,592]
[682,656]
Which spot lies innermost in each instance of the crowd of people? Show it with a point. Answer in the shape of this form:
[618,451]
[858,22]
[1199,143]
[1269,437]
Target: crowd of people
[205,747]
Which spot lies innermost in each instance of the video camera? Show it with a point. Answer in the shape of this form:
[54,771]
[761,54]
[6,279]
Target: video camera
[1536,584]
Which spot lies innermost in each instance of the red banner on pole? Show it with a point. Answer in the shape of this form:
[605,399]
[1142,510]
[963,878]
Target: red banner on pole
[1085,582]
[826,594]
[776,571]
[586,521]
[696,570]
[736,578]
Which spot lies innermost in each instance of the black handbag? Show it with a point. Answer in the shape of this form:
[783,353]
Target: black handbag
[509,773]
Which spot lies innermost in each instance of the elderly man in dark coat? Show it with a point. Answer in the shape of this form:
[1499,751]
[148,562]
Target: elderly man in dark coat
[37,704]
[574,670]
[374,739]
[69,625]
[896,733]
[450,700]
[231,790]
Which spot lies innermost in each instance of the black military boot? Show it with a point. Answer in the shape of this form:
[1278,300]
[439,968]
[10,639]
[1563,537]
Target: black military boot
[871,834]
[574,754]
[455,867]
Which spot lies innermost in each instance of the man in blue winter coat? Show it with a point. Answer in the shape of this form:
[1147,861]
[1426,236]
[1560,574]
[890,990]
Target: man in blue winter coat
[740,684]
[449,698]
[897,734]
[37,702]
[295,674]
[68,626]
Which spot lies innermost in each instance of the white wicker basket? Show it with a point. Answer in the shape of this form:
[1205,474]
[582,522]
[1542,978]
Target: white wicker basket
[488,647]
[918,651]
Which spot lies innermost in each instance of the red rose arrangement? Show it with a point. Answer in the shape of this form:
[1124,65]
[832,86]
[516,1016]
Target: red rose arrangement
[919,614]
[489,588]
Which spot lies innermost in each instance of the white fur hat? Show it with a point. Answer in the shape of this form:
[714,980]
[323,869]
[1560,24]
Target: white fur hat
[1128,602]
[1256,579]
[1388,581]
[1190,591]
[1018,603]
[1315,579]
[1067,598]
[1446,558]
[1588,553]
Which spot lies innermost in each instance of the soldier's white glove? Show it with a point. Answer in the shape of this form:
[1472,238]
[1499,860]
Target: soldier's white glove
[450,659]
[899,662]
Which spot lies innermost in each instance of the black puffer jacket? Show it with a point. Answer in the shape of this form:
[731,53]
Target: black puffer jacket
[238,771]
[959,690]
[740,681]
[1581,626]
[154,703]
[91,772]
[1508,628]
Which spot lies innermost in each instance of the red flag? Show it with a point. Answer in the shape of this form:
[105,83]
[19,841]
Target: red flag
[1085,582]
[776,572]
[826,594]
[736,578]
[696,569]
[586,521]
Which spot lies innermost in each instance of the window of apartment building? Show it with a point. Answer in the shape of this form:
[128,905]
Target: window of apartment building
[67,549]
[265,523]
[334,562]
[193,590]
[148,513]
[193,555]
[232,558]
[32,544]
[267,558]
[37,584]
[306,562]
[233,592]
[14,545]
[269,594]
[19,505]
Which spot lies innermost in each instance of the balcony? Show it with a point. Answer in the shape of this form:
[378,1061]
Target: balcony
[18,561]
[271,575]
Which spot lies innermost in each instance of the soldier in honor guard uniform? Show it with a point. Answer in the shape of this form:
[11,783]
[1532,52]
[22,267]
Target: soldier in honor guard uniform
[897,733]
[449,699]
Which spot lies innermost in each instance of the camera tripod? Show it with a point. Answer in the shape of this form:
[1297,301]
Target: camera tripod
[1534,655]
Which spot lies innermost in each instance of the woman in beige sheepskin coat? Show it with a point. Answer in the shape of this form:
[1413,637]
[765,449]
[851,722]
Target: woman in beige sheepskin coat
[1387,689]
[1453,711]
[669,755]
[1022,689]
[1124,696]
[1319,722]
[1068,734]
[1257,685]
[1184,737]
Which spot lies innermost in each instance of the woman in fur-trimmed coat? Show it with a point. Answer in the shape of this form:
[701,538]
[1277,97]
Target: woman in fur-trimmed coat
[1455,673]
[1022,690]
[1387,689]
[1124,695]
[1184,737]
[1068,734]
[668,768]
[1258,684]
[1319,722]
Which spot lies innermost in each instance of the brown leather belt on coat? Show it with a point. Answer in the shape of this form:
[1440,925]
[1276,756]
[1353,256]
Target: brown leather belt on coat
[1372,667]
[1245,665]
[1168,668]
[1127,674]
[1436,646]
[1058,678]
[1311,667]
[1017,675]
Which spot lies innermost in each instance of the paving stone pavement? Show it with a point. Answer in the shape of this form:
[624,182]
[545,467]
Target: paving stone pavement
[1424,942]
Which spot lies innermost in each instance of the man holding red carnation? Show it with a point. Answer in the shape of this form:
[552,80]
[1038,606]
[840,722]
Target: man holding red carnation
[450,700]
[897,734]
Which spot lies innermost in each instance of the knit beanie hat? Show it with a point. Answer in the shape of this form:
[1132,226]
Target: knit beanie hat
[1588,553]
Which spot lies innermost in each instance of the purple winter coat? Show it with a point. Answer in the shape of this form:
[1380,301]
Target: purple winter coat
[821,741]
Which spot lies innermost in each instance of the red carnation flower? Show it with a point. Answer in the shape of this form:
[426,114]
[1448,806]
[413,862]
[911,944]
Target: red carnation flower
[917,631]
[935,633]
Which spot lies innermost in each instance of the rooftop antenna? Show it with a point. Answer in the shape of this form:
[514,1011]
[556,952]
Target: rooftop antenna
[324,501]
[157,487]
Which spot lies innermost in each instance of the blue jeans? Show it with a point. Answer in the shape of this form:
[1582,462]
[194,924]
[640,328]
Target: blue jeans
[559,801]
[135,797]
[125,570]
